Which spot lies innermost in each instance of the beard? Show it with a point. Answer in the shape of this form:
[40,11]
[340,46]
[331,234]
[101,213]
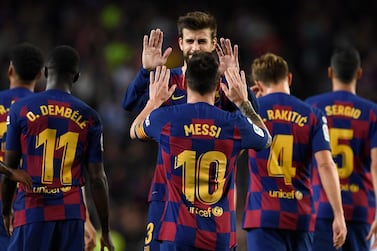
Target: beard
[186,57]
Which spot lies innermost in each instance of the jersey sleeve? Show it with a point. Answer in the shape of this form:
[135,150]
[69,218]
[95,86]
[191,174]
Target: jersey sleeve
[136,95]
[95,138]
[252,136]
[13,142]
[321,138]
[152,125]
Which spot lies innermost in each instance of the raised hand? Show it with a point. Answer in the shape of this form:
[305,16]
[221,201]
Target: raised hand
[228,56]
[236,91]
[159,90]
[152,55]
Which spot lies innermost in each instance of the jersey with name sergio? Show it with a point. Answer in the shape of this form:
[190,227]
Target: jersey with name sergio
[280,191]
[199,146]
[57,135]
[353,133]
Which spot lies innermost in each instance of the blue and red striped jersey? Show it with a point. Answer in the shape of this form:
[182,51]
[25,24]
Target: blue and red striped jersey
[57,135]
[199,146]
[280,190]
[352,124]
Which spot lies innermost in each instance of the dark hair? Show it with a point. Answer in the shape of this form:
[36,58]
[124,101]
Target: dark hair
[197,20]
[27,61]
[202,74]
[345,61]
[64,59]
[269,69]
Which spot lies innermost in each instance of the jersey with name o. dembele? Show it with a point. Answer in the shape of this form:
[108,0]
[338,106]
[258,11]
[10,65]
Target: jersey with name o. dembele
[199,145]
[280,191]
[352,124]
[136,98]
[58,135]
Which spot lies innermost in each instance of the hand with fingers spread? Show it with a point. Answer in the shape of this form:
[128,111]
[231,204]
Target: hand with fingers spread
[152,55]
[228,56]
[236,91]
[159,90]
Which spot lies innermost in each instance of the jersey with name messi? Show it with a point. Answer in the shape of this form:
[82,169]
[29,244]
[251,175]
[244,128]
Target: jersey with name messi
[199,145]
[157,191]
[280,190]
[353,133]
[57,135]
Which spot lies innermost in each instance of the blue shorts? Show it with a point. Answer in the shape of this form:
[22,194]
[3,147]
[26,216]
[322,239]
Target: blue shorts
[262,239]
[355,241]
[171,246]
[49,235]
[155,211]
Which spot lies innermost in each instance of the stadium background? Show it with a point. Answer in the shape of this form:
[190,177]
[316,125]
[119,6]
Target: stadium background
[108,35]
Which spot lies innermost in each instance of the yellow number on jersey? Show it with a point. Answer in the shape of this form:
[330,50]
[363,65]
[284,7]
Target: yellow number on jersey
[337,148]
[196,175]
[280,160]
[67,141]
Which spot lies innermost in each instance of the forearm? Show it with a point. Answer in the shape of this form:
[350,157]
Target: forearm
[149,107]
[100,191]
[4,169]
[136,94]
[330,183]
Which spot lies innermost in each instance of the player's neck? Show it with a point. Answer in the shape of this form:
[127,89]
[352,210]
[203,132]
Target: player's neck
[281,87]
[20,84]
[339,86]
[195,98]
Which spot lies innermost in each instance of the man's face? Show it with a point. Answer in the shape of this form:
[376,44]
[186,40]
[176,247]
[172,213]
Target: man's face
[196,40]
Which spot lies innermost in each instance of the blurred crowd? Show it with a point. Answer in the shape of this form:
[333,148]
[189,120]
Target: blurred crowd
[108,36]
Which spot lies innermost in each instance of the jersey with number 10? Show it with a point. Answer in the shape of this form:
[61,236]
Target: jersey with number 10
[57,135]
[353,133]
[199,146]
[280,191]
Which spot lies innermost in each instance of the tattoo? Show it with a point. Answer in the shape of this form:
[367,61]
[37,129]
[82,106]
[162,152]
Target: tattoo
[248,111]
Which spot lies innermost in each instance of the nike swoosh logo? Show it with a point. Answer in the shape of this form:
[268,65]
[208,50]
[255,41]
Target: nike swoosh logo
[177,97]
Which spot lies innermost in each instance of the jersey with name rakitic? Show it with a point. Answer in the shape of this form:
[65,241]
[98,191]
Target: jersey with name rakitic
[58,135]
[353,133]
[199,146]
[280,192]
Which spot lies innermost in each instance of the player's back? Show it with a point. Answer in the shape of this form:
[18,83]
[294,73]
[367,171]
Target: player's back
[199,145]
[59,134]
[8,97]
[352,124]
[280,194]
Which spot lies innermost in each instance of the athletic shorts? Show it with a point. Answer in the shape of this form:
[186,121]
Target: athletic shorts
[262,239]
[355,241]
[171,246]
[49,235]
